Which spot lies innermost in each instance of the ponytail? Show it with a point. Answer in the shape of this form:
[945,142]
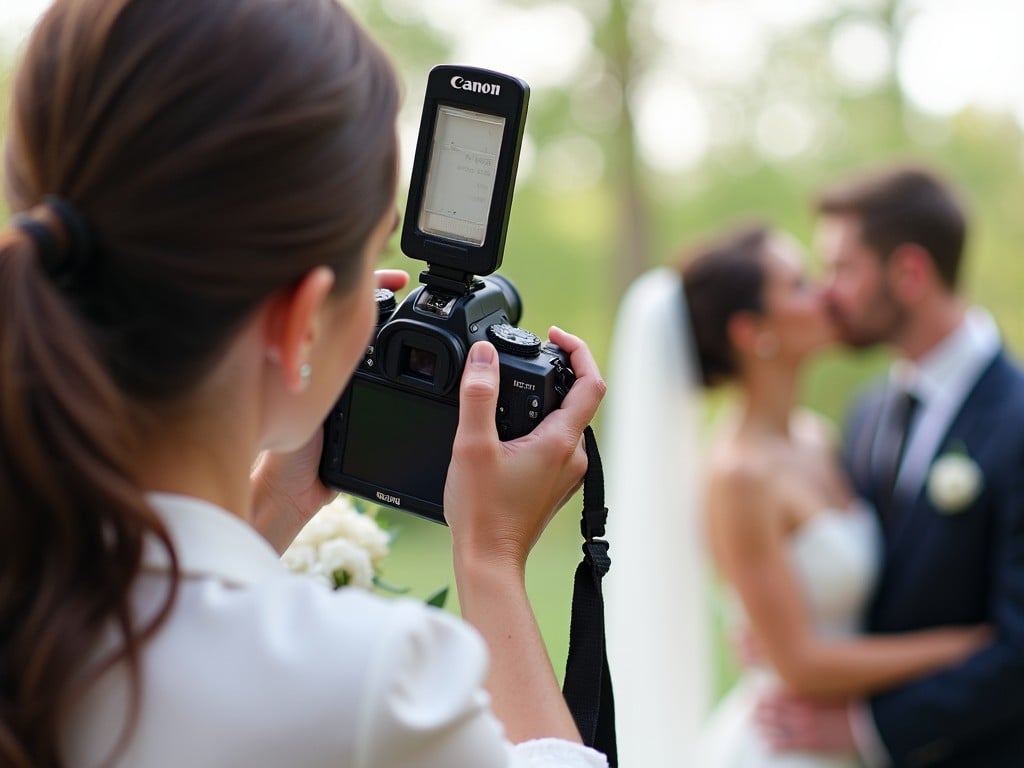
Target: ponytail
[208,183]
[72,522]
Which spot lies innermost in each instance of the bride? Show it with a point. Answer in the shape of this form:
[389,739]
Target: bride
[768,503]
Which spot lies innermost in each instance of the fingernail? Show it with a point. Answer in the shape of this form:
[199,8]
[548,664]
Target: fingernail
[481,354]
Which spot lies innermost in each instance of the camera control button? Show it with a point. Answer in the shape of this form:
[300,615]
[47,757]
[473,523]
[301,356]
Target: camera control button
[502,411]
[564,377]
[385,299]
[534,407]
[514,341]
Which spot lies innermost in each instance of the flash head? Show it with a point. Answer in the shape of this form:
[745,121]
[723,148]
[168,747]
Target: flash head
[389,437]
[464,169]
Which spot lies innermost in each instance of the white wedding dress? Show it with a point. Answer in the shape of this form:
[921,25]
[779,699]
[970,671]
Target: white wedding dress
[658,611]
[835,558]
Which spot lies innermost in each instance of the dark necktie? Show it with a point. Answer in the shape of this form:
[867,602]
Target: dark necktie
[902,414]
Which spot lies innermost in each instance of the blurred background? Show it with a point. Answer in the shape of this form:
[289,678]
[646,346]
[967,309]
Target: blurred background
[652,122]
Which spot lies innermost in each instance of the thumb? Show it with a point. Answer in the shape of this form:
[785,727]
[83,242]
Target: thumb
[478,397]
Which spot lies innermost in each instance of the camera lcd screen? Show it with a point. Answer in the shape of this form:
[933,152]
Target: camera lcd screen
[398,437]
[460,174]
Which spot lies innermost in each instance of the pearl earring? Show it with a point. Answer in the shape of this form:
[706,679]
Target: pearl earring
[305,374]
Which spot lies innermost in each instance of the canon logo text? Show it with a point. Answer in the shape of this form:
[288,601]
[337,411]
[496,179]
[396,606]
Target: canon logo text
[472,85]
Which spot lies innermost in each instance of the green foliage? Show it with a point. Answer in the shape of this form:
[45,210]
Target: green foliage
[386,586]
[438,598]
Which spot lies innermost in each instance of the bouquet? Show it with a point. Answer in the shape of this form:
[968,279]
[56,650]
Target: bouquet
[343,545]
[340,546]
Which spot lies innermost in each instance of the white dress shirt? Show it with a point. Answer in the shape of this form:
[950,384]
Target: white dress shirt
[256,666]
[941,381]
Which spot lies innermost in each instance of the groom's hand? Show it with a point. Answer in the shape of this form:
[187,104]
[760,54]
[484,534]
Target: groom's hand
[792,723]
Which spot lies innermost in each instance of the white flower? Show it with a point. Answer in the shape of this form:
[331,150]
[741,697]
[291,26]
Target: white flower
[954,482]
[300,558]
[341,556]
[339,545]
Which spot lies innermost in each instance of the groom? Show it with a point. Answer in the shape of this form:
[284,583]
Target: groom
[938,448]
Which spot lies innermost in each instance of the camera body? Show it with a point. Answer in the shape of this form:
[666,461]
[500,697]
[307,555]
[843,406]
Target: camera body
[389,438]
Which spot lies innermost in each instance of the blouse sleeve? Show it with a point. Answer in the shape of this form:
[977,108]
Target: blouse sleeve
[555,753]
[425,704]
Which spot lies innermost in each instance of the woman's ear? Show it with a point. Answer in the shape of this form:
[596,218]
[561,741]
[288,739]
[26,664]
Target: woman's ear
[293,323]
[749,335]
[742,330]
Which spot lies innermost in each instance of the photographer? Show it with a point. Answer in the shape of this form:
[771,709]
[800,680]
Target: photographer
[201,189]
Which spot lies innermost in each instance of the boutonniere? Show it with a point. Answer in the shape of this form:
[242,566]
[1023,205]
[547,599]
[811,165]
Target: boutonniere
[954,481]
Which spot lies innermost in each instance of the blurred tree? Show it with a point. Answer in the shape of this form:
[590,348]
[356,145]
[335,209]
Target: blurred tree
[624,173]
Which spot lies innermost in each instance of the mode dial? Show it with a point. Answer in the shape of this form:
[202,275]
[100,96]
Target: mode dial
[385,299]
[514,341]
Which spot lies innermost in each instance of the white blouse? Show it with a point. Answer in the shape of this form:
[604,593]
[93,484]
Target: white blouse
[257,666]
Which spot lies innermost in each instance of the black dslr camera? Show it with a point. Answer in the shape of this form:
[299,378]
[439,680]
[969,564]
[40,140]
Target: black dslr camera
[389,438]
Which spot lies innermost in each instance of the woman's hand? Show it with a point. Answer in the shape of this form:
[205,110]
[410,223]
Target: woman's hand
[498,499]
[286,487]
[287,491]
[393,279]
[499,496]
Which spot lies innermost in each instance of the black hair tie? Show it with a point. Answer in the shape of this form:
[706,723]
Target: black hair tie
[62,261]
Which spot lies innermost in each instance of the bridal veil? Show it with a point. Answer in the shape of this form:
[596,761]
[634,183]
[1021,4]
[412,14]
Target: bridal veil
[658,620]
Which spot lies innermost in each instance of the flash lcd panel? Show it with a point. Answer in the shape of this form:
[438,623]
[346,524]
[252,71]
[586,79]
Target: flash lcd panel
[460,174]
[463,172]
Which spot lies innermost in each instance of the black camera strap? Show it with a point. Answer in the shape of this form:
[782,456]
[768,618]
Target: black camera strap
[588,683]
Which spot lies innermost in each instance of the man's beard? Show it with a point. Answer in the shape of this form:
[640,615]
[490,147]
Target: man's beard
[882,322]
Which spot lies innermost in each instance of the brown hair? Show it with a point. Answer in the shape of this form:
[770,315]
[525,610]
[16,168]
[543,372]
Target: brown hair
[217,150]
[720,279]
[904,205]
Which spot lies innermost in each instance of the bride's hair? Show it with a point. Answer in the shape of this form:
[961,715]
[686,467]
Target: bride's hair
[721,277]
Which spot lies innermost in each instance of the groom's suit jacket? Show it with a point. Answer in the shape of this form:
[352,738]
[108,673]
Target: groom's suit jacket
[958,567]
